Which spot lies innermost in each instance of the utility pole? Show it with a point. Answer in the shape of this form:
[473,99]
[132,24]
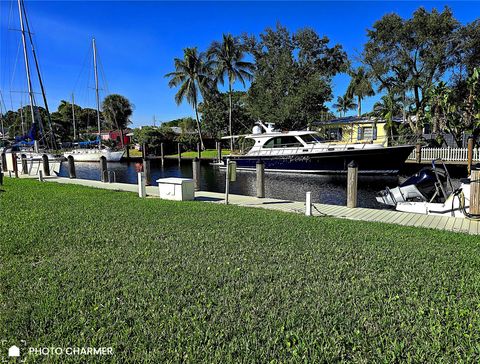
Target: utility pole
[154,121]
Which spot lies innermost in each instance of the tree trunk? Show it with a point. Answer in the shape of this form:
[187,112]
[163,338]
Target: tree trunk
[230,114]
[198,125]
[359,107]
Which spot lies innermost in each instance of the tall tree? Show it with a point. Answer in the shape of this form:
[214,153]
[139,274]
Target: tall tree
[228,62]
[360,86]
[293,75]
[343,104]
[215,114]
[193,74]
[117,110]
[412,53]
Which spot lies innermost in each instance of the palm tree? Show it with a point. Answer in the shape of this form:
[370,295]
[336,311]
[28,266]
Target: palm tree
[117,110]
[360,86]
[193,74]
[344,104]
[389,107]
[227,57]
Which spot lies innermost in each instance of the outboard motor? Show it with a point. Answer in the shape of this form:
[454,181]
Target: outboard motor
[422,186]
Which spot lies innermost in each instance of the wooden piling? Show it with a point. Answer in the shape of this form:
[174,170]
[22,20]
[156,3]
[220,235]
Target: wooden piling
[470,154]
[147,171]
[418,151]
[14,164]
[71,167]
[260,179]
[179,152]
[196,173]
[46,165]
[24,164]
[103,169]
[352,181]
[4,162]
[162,155]
[219,151]
[127,151]
[475,191]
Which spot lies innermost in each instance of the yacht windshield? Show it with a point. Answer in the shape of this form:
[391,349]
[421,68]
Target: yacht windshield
[311,138]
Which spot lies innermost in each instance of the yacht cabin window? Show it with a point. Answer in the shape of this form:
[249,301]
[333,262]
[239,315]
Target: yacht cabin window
[283,142]
[311,138]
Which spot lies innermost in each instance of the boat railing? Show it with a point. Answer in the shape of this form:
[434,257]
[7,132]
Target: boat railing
[287,149]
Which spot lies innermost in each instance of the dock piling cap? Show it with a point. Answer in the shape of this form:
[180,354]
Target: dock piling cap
[352,164]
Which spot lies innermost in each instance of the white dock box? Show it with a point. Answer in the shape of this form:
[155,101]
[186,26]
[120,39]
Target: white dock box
[179,189]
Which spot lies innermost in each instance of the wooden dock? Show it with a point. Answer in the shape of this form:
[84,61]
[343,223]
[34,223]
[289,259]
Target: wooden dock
[361,214]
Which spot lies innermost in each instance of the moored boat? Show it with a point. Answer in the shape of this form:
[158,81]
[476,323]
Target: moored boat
[306,152]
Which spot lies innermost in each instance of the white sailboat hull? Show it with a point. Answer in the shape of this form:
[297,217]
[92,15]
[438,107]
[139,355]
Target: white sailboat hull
[34,163]
[93,155]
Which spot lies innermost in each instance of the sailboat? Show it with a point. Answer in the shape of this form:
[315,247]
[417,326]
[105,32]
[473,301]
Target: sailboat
[34,144]
[86,153]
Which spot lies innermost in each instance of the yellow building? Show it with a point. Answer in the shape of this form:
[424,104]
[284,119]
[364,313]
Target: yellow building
[353,129]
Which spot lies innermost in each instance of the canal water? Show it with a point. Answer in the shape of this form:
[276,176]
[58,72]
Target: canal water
[325,189]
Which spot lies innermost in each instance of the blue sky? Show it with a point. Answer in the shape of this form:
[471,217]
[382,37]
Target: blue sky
[137,42]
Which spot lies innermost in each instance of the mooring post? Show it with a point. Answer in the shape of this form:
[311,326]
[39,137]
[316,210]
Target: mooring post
[24,164]
[146,164]
[4,162]
[179,152]
[142,190]
[219,151]
[146,170]
[162,155]
[308,204]
[40,176]
[14,165]
[196,173]
[103,169]
[470,154]
[71,167]
[199,151]
[127,151]
[352,181]
[46,166]
[260,179]
[227,181]
[418,151]
[475,191]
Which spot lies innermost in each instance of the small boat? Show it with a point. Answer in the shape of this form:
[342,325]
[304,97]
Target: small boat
[94,154]
[306,152]
[430,192]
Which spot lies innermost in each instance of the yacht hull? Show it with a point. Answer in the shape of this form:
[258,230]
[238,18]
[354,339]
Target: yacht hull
[385,161]
[93,155]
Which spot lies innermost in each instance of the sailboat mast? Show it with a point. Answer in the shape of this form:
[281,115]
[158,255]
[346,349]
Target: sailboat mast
[96,93]
[27,65]
[73,118]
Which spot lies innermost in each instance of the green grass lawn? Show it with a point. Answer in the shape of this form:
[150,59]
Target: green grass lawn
[207,153]
[164,281]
